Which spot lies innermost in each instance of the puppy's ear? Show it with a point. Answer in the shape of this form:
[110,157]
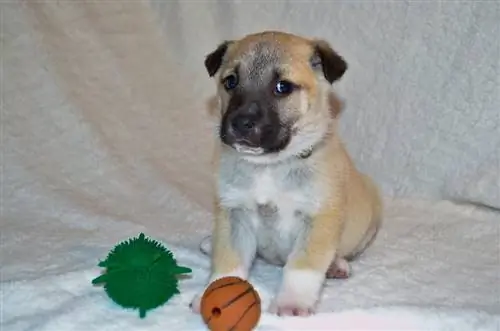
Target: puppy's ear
[332,64]
[213,60]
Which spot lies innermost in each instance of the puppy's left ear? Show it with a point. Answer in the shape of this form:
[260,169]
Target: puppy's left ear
[332,64]
[213,61]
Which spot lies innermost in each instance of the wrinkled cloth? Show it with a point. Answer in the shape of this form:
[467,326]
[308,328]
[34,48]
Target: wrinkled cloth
[105,134]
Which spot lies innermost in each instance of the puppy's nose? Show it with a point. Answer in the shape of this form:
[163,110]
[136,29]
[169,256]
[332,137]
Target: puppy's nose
[243,124]
[246,120]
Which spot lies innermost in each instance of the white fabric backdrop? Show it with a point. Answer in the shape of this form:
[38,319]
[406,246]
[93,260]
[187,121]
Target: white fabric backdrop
[422,90]
[105,133]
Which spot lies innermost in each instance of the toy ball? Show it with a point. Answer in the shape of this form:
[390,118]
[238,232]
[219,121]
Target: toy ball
[230,303]
[140,274]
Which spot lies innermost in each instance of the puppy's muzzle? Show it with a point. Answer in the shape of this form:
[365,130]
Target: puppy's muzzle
[254,129]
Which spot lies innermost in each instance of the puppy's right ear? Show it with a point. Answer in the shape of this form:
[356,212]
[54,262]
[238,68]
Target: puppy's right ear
[213,61]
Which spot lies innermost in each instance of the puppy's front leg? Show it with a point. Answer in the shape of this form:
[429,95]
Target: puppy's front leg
[233,248]
[304,272]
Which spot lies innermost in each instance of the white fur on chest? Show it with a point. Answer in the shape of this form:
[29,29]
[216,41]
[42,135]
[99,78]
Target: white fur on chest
[269,190]
[268,186]
[291,196]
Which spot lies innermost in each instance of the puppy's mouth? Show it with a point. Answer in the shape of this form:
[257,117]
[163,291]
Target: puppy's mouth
[257,146]
[243,149]
[256,140]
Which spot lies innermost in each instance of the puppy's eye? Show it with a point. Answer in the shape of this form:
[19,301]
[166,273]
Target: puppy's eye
[283,87]
[230,82]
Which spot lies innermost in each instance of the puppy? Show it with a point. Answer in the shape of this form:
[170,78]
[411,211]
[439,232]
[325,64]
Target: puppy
[286,189]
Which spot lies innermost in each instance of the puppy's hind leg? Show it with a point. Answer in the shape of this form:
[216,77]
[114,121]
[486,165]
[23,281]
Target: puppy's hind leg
[206,245]
[338,269]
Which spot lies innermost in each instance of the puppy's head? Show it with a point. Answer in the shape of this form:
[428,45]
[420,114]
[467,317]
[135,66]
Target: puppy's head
[274,93]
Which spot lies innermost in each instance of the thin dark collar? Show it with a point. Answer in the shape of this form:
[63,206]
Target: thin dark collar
[306,153]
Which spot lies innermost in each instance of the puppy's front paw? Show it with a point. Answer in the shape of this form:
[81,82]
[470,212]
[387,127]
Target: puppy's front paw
[299,293]
[195,304]
[291,305]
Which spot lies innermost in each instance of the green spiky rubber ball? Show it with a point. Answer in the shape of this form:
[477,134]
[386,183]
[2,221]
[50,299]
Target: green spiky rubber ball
[140,274]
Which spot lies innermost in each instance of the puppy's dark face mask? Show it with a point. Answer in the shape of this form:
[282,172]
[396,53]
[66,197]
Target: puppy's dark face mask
[269,92]
[251,121]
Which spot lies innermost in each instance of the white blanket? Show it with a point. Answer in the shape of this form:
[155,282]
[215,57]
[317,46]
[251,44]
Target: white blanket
[105,135]
[430,270]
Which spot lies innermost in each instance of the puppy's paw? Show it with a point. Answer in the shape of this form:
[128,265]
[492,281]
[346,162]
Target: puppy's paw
[291,307]
[206,245]
[298,294]
[195,303]
[339,269]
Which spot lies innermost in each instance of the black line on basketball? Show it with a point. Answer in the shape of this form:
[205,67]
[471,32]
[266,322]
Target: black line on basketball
[243,315]
[224,285]
[256,296]
[236,298]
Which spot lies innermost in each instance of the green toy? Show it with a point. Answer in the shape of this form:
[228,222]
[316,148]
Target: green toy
[140,274]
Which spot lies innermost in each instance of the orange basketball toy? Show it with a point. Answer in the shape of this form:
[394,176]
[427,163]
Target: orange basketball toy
[230,303]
